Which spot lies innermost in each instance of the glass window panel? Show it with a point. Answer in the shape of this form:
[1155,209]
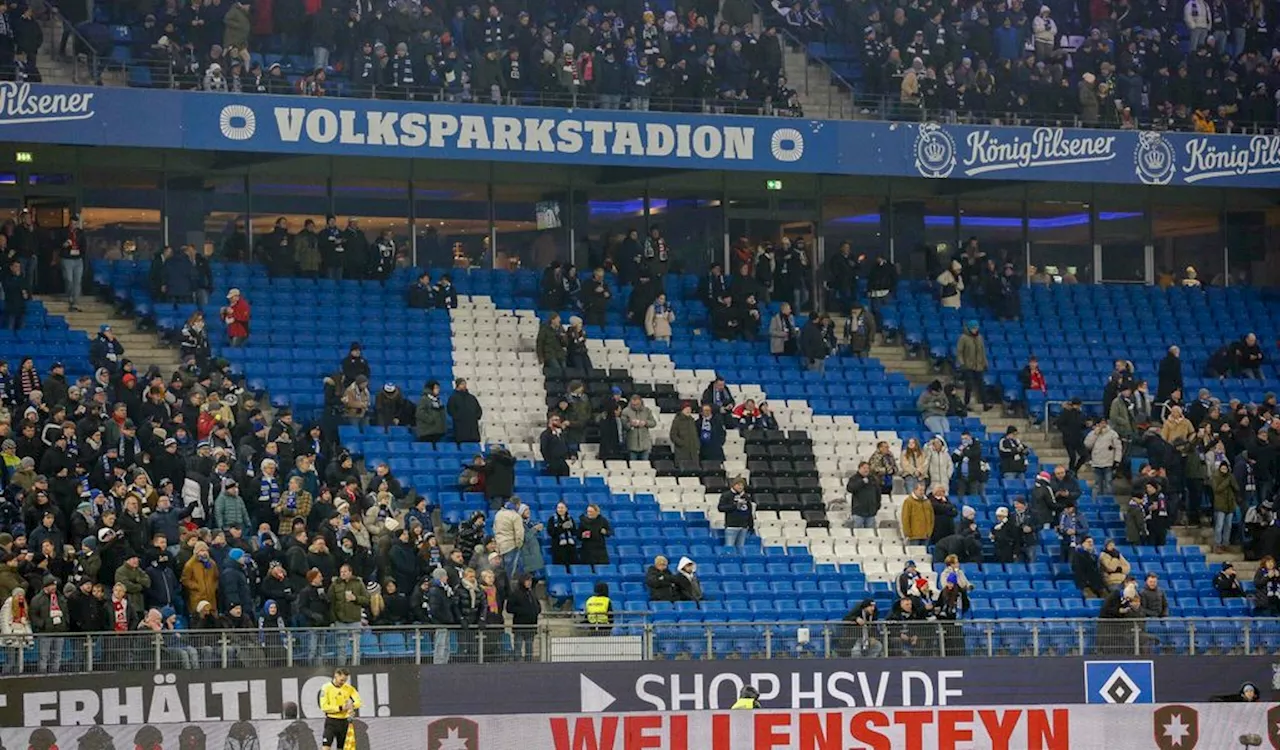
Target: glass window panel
[452,222]
[997,227]
[380,204]
[209,211]
[1060,241]
[532,226]
[1189,238]
[1121,229]
[121,211]
[920,223]
[859,220]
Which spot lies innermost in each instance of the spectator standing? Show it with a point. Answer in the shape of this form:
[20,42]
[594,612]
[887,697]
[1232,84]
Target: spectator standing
[938,464]
[563,532]
[1169,377]
[784,334]
[508,534]
[917,517]
[864,498]
[1013,454]
[357,401]
[465,410]
[236,316]
[944,514]
[914,465]
[971,357]
[49,617]
[594,531]
[1071,426]
[1105,452]
[15,629]
[970,471]
[555,449]
[738,508]
[657,320]
[429,417]
[551,346]
[638,421]
[1226,502]
[883,467]
[17,292]
[1021,530]
[859,330]
[71,258]
[684,434]
[950,285]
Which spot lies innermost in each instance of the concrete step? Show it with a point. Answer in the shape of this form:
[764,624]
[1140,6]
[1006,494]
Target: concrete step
[143,348]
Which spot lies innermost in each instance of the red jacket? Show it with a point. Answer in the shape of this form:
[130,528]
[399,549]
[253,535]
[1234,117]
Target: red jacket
[236,317]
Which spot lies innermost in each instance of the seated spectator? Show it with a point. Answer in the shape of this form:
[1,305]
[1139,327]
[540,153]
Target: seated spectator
[1115,568]
[1247,357]
[1072,527]
[1154,601]
[933,406]
[907,633]
[661,581]
[1087,570]
[1266,588]
[688,587]
[1032,377]
[1226,583]
[1122,603]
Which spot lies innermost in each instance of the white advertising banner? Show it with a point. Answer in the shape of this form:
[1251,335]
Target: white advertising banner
[1216,726]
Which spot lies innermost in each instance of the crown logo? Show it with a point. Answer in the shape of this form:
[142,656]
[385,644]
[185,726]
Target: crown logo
[935,152]
[1153,160]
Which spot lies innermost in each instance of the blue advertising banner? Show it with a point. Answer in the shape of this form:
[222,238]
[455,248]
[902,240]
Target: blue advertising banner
[358,127]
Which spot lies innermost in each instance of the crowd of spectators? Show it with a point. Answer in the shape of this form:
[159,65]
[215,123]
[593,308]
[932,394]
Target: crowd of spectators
[1203,65]
[700,58]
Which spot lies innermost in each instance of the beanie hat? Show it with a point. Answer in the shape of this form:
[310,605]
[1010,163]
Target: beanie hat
[235,554]
[90,542]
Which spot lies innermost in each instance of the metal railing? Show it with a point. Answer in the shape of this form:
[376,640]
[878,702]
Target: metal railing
[1046,422]
[80,45]
[637,638]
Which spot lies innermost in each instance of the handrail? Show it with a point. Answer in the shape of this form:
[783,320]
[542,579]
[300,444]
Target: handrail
[1062,402]
[645,639]
[92,54]
[731,108]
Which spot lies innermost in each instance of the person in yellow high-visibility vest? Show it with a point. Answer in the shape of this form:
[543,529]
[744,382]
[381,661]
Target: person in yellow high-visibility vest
[599,608]
[748,699]
[339,702]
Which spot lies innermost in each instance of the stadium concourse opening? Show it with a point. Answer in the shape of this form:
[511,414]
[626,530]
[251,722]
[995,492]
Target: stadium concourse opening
[502,215]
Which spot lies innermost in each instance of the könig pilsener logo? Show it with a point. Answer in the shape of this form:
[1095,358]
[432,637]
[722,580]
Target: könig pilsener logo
[935,151]
[1154,160]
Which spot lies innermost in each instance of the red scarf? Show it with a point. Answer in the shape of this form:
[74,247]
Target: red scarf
[120,610]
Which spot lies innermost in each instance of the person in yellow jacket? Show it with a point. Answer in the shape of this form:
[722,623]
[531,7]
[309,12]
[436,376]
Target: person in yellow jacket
[339,702]
[599,609]
[748,699]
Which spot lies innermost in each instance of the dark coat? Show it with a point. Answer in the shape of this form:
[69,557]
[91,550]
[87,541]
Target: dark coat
[864,495]
[563,534]
[592,534]
[661,584]
[1086,572]
[1170,377]
[466,412]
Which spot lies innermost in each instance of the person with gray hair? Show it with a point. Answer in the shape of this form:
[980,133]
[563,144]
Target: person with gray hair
[445,614]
